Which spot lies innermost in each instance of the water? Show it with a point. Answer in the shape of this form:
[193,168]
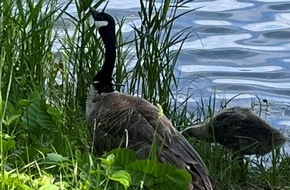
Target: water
[241,47]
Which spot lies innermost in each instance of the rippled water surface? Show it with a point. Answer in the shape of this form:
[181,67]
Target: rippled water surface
[238,47]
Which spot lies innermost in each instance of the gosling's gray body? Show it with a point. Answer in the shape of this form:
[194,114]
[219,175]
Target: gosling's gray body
[122,120]
[240,130]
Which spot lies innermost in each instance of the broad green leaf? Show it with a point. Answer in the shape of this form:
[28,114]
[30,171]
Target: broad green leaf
[25,102]
[63,184]
[56,157]
[24,187]
[49,187]
[11,119]
[44,180]
[123,157]
[53,111]
[123,177]
[8,143]
[109,160]
[37,118]
[158,175]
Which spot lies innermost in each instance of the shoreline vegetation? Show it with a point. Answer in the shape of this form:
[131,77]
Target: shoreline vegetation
[44,139]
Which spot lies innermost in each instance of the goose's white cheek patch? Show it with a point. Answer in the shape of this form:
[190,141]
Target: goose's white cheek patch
[99,24]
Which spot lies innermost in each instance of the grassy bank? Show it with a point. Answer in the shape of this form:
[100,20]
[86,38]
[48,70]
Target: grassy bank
[46,68]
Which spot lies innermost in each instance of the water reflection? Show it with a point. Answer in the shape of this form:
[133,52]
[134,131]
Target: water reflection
[203,68]
[263,84]
[280,7]
[219,30]
[219,5]
[278,34]
[265,26]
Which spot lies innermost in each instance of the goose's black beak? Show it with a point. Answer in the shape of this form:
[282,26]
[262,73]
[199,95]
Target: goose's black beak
[94,12]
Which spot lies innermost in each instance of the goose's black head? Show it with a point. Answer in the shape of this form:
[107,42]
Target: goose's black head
[105,25]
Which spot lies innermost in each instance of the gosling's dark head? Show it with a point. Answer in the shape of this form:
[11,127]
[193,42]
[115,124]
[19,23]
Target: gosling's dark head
[104,22]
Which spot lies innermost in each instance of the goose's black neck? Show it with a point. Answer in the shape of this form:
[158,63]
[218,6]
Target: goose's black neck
[103,79]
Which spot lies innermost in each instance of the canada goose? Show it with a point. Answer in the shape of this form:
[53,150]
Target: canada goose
[239,130]
[120,120]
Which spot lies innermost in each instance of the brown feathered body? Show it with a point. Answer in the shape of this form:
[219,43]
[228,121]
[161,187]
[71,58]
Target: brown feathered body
[240,130]
[120,120]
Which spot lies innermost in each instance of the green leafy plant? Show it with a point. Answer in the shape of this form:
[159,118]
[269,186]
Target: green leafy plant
[47,59]
[150,173]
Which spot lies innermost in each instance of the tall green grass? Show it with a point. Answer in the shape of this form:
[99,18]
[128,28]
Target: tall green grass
[44,141]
